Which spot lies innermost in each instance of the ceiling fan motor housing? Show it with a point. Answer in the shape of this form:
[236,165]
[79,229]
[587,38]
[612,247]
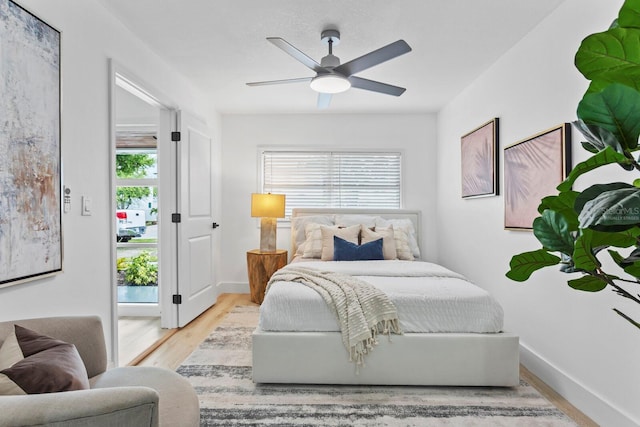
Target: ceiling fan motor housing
[330,61]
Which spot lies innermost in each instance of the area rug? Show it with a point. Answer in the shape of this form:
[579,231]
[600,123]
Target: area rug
[220,371]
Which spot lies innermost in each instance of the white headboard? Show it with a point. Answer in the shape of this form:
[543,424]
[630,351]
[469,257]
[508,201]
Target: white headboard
[414,216]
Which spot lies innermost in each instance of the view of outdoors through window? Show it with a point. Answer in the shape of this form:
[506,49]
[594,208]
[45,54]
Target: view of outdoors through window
[136,225]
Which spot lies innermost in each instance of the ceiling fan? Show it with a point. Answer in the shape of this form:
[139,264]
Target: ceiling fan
[332,77]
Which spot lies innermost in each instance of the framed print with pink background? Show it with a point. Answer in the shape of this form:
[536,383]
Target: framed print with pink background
[533,168]
[479,155]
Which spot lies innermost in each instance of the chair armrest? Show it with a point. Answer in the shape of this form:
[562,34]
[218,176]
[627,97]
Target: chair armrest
[121,406]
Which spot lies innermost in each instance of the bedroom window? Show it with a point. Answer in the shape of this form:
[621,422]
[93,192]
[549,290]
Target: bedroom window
[339,179]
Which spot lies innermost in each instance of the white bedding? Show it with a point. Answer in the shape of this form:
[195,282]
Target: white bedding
[428,297]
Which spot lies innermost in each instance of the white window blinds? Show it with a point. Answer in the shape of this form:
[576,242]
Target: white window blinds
[320,179]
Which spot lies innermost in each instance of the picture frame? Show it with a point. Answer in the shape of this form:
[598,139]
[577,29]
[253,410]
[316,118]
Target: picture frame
[479,161]
[533,168]
[30,136]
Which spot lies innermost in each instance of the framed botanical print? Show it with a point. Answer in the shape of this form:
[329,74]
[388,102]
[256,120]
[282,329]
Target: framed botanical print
[479,155]
[533,168]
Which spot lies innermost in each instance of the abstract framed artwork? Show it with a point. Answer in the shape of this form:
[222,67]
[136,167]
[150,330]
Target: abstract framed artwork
[30,163]
[479,155]
[533,168]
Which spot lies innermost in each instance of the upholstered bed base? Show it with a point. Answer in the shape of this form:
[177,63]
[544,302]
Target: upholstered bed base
[437,359]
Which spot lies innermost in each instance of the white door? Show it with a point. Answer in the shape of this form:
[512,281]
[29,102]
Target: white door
[196,288]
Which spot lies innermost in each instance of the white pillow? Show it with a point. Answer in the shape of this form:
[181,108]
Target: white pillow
[347,220]
[406,225]
[298,231]
[388,241]
[350,234]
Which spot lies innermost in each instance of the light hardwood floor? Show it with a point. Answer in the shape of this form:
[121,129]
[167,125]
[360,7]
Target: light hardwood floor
[175,345]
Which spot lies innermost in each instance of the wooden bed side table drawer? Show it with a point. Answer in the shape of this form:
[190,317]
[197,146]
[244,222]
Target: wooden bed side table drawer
[260,266]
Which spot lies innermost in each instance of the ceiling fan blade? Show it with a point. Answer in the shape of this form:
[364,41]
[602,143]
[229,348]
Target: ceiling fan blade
[360,83]
[324,99]
[296,54]
[278,82]
[376,57]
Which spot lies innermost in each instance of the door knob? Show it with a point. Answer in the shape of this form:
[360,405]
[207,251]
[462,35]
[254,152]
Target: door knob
[216,225]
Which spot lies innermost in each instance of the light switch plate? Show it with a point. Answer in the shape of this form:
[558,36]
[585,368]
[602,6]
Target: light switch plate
[87,208]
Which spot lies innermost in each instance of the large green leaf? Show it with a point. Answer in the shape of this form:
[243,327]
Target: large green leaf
[596,86]
[611,56]
[597,138]
[629,16]
[552,230]
[622,239]
[612,208]
[594,191]
[633,258]
[583,256]
[633,269]
[604,157]
[524,264]
[588,283]
[616,109]
[564,204]
[616,257]
[590,242]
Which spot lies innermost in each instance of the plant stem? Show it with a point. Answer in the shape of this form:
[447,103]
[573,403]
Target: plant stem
[627,318]
[621,291]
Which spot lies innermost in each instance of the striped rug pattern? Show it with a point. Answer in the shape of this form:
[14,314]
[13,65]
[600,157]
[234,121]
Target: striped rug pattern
[220,371]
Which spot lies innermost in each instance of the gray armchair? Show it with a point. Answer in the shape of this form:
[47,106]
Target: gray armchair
[126,396]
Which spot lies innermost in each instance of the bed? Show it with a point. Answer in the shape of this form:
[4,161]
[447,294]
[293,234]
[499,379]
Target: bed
[452,329]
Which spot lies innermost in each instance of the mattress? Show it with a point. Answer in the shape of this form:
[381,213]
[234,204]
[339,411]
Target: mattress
[427,296]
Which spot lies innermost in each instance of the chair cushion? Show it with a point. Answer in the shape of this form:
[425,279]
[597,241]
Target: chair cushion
[178,404]
[31,363]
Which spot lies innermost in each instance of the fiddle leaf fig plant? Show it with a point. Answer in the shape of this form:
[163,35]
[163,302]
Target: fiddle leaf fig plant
[576,228]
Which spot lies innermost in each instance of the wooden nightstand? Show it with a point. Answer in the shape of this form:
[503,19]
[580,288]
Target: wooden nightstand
[261,265]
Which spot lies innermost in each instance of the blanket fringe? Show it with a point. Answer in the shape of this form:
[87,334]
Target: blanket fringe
[362,348]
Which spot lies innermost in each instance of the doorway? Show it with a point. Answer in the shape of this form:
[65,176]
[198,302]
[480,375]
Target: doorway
[164,234]
[141,180]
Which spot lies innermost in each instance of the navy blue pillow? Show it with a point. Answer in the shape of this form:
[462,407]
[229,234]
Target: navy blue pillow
[347,251]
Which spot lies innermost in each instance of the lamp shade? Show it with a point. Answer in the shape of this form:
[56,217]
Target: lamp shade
[267,205]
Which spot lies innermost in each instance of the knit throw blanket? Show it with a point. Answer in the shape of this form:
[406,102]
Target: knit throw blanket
[362,310]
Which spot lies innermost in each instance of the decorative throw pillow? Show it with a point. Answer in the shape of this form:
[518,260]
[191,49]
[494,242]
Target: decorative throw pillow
[388,241]
[403,251]
[350,234]
[312,247]
[406,225]
[347,251]
[298,228]
[31,363]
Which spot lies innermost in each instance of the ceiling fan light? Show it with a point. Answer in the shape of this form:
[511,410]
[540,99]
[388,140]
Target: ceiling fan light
[330,83]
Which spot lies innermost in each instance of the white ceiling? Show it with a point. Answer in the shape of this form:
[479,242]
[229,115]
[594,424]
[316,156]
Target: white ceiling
[221,44]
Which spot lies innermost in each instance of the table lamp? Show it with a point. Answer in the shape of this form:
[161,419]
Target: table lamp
[267,207]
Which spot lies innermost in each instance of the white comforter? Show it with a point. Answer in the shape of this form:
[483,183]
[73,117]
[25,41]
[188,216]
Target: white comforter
[428,297]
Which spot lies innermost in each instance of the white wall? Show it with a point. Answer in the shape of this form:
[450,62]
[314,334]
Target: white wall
[89,37]
[572,340]
[413,134]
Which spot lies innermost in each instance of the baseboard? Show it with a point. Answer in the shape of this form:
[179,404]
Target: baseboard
[585,400]
[232,288]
